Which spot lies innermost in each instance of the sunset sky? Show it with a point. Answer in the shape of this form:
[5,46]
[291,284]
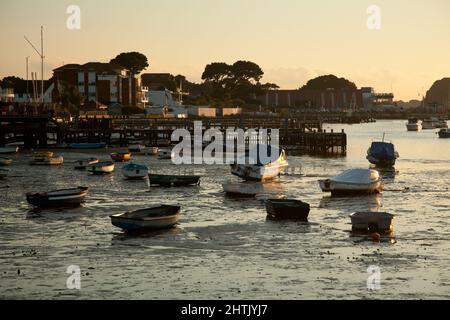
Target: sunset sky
[292,40]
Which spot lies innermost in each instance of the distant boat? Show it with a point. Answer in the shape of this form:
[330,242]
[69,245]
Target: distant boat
[287,209]
[173,180]
[58,198]
[121,156]
[104,167]
[136,148]
[354,181]
[370,222]
[444,133]
[428,124]
[100,145]
[134,171]
[8,150]
[43,154]
[48,161]
[434,123]
[83,163]
[261,169]
[382,154]
[151,150]
[160,217]
[414,124]
[5,161]
[247,189]
[165,154]
[441,124]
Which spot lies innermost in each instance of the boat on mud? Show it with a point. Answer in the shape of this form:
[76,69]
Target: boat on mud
[159,217]
[353,182]
[58,198]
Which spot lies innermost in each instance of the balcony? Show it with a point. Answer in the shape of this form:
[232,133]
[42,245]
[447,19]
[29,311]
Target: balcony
[144,99]
[144,89]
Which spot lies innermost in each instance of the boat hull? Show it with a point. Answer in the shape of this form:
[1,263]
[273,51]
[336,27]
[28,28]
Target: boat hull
[58,198]
[50,161]
[284,209]
[82,164]
[88,145]
[345,188]
[369,222]
[134,171]
[5,161]
[381,162]
[173,181]
[121,157]
[444,134]
[102,168]
[162,217]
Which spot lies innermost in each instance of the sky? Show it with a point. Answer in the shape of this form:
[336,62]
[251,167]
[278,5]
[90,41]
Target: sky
[292,40]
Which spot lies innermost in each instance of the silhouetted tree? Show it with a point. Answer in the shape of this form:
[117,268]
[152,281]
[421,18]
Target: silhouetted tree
[133,61]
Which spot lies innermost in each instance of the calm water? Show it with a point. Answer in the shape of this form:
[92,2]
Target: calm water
[225,248]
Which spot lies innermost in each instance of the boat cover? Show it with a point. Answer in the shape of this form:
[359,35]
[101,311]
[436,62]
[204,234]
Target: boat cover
[382,150]
[262,155]
[359,176]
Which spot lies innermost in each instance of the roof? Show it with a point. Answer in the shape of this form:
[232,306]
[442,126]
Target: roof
[67,66]
[101,67]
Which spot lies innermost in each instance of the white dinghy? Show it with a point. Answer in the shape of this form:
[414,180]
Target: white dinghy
[354,181]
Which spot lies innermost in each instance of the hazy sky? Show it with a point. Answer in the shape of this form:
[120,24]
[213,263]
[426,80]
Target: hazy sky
[292,40]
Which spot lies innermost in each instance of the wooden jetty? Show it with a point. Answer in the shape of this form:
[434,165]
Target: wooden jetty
[304,136]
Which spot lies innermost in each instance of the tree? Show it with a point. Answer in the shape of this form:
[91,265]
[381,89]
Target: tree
[71,98]
[329,81]
[133,61]
[11,82]
[216,72]
[246,71]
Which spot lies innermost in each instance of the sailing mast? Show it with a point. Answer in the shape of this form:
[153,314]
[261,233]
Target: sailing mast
[41,54]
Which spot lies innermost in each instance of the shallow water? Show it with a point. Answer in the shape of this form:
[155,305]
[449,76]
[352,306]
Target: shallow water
[224,248]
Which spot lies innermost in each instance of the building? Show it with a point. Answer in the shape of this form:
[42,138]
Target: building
[105,83]
[6,94]
[328,99]
[27,92]
[437,98]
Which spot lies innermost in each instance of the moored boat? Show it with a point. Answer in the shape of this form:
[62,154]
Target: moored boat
[173,180]
[99,145]
[135,171]
[48,161]
[254,168]
[136,148]
[5,161]
[103,167]
[165,154]
[370,222]
[287,209]
[414,124]
[353,182]
[151,151]
[9,150]
[43,154]
[121,156]
[382,154]
[58,198]
[83,163]
[444,133]
[160,217]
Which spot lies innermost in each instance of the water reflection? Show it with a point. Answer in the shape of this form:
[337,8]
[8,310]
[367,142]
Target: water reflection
[352,204]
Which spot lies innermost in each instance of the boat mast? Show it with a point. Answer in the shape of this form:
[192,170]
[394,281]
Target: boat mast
[41,54]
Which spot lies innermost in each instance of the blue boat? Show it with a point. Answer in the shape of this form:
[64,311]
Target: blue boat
[382,154]
[100,145]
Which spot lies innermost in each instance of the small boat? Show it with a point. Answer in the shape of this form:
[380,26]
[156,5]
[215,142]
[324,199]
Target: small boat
[370,222]
[121,156]
[58,198]
[48,161]
[104,167]
[100,145]
[5,161]
[243,190]
[136,148]
[354,181]
[173,180]
[8,150]
[83,163]
[160,217]
[382,154]
[43,154]
[428,124]
[262,169]
[165,154]
[151,151]
[444,133]
[287,209]
[414,124]
[135,171]
[441,124]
